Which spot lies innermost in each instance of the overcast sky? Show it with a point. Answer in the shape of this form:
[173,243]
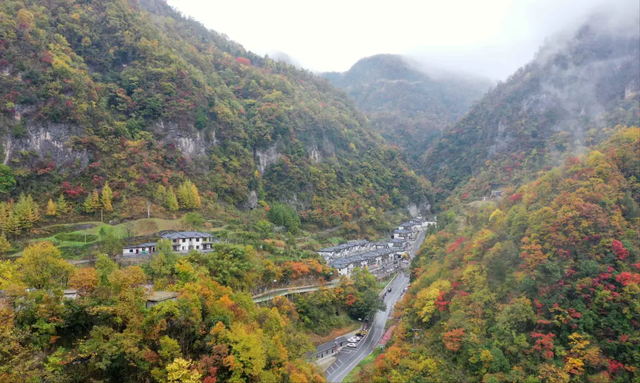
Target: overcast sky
[492,38]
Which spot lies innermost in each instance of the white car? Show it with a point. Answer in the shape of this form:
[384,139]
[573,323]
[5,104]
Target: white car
[358,338]
[352,345]
[353,339]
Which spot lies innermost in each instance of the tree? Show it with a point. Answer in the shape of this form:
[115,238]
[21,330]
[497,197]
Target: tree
[92,203]
[188,195]
[26,211]
[163,262]
[51,208]
[161,195]
[194,220]
[171,201]
[62,206]
[42,266]
[106,198]
[5,246]
[7,180]
[284,215]
[180,371]
[111,244]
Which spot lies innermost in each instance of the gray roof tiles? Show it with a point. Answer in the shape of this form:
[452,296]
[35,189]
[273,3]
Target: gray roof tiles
[344,246]
[185,234]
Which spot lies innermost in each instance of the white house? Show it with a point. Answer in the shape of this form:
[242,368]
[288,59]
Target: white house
[345,249]
[185,241]
[403,234]
[141,249]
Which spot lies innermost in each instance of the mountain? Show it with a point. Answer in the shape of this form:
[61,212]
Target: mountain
[580,85]
[134,94]
[406,103]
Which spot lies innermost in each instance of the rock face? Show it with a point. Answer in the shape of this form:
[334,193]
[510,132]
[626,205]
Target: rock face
[252,201]
[191,142]
[267,156]
[419,209]
[45,141]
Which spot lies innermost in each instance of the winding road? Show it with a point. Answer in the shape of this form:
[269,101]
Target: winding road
[348,358]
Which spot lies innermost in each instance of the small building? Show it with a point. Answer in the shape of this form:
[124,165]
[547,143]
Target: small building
[141,249]
[70,293]
[496,194]
[403,234]
[185,241]
[158,297]
[345,249]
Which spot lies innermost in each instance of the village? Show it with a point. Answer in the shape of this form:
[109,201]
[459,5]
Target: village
[380,258]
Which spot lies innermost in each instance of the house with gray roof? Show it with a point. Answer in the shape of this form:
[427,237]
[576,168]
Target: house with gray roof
[185,241]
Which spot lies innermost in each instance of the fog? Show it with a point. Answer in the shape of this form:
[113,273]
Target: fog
[487,38]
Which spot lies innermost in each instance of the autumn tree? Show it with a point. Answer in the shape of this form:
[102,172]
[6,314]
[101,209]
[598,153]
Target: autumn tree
[106,198]
[92,202]
[171,201]
[5,246]
[188,195]
[62,206]
[51,208]
[42,266]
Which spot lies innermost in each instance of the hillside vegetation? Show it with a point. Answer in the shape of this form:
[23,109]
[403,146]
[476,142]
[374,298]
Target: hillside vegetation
[579,86]
[132,93]
[543,287]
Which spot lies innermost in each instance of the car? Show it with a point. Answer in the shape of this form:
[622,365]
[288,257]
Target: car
[361,333]
[353,339]
[389,289]
[358,338]
[352,345]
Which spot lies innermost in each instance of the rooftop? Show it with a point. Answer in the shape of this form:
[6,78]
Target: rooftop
[186,234]
[402,232]
[344,262]
[146,244]
[161,296]
[344,246]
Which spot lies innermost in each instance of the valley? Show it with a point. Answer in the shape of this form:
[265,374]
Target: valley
[175,207]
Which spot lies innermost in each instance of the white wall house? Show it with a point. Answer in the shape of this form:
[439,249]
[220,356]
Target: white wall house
[141,249]
[185,241]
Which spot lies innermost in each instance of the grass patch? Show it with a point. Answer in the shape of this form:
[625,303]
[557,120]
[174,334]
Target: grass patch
[365,363]
[76,237]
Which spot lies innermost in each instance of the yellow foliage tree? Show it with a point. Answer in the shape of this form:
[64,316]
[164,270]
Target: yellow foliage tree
[51,208]
[4,244]
[106,198]
[180,371]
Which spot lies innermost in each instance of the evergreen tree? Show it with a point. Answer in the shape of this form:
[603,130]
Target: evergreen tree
[13,225]
[33,211]
[51,208]
[4,244]
[61,205]
[92,203]
[171,201]
[106,198]
[161,195]
[5,208]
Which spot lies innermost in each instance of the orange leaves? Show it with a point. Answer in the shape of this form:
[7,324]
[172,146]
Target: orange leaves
[84,280]
[453,339]
[626,278]
[532,254]
[456,245]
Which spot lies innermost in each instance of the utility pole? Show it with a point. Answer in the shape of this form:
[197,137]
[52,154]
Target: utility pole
[101,215]
[148,209]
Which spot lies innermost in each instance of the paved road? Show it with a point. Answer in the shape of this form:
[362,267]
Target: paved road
[348,358]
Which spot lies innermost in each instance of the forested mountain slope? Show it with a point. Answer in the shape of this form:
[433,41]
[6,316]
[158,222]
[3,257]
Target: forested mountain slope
[132,93]
[542,287]
[579,84]
[407,105]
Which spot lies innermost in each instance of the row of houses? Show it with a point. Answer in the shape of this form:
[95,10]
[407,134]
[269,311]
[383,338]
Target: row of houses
[181,242]
[381,258]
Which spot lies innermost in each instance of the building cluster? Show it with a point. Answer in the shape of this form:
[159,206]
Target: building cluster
[381,258]
[181,242]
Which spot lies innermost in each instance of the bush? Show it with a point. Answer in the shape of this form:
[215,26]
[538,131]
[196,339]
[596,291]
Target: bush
[284,215]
